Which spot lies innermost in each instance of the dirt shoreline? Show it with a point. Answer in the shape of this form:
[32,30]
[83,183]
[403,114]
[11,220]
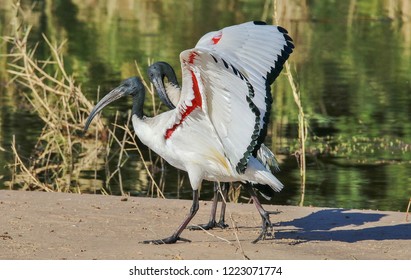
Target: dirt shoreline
[38,225]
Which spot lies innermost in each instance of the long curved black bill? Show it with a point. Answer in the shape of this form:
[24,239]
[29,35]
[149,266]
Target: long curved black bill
[113,95]
[161,91]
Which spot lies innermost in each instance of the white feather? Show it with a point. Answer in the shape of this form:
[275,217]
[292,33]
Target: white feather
[228,69]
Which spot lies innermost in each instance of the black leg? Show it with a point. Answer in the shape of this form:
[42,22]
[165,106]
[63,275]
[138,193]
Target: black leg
[224,190]
[212,221]
[267,227]
[176,235]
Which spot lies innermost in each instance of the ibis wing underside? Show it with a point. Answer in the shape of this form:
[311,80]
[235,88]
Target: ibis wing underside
[228,74]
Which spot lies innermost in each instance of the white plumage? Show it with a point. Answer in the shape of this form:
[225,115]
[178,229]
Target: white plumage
[220,120]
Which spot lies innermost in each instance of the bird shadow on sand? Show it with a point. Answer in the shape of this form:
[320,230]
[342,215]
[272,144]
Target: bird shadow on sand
[342,225]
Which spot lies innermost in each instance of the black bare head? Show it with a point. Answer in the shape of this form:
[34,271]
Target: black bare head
[156,73]
[162,70]
[129,87]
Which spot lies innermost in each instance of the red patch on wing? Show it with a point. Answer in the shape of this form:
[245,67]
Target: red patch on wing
[192,57]
[196,102]
[216,38]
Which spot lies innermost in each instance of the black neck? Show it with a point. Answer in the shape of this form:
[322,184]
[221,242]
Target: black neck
[138,104]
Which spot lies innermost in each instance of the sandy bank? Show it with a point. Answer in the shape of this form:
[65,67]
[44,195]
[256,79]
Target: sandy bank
[36,225]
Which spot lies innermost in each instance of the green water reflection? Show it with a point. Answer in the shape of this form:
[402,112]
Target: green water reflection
[352,62]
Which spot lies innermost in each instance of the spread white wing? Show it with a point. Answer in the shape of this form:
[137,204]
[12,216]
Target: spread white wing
[228,75]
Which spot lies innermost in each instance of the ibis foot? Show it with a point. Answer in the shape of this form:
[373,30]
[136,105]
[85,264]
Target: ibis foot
[169,240]
[221,225]
[209,225]
[267,230]
[176,235]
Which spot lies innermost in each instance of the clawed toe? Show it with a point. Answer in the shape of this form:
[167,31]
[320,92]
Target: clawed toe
[273,212]
[221,225]
[266,233]
[267,230]
[168,240]
[209,225]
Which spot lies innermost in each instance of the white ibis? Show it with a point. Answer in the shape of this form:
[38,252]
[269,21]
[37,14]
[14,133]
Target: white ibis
[221,118]
[169,93]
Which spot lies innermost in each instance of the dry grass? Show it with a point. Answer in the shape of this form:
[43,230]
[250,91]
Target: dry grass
[60,104]
[300,154]
[61,153]
[302,133]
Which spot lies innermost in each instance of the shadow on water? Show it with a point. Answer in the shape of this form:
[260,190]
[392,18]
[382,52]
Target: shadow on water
[324,226]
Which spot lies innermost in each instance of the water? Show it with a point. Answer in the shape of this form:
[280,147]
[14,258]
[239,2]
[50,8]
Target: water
[352,62]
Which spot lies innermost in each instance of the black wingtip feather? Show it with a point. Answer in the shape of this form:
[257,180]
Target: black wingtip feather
[288,50]
[282,29]
[259,22]
[290,45]
[287,37]
[271,76]
[259,134]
